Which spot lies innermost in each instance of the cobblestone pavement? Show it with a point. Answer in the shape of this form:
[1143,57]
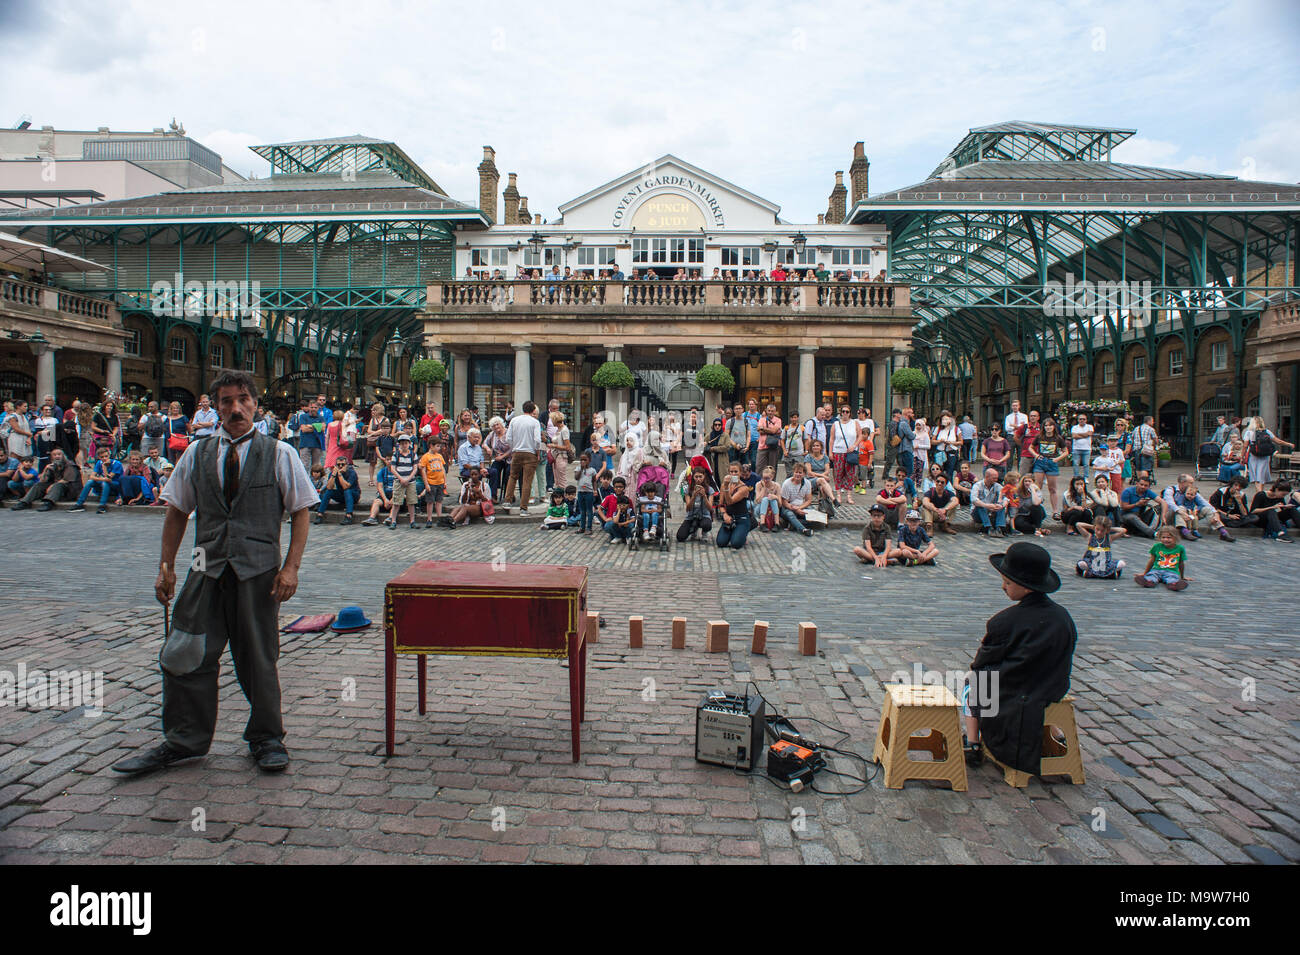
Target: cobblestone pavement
[1187,707]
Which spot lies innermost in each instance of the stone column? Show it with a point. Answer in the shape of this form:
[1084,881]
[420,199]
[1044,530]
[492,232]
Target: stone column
[807,382]
[522,374]
[615,398]
[901,357]
[113,374]
[460,383]
[1267,396]
[45,373]
[880,409]
[539,394]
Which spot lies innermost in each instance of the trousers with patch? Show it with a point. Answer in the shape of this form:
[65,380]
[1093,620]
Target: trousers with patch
[211,612]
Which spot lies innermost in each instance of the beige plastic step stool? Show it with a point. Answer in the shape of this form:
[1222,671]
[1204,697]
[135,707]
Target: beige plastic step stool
[910,709]
[1059,758]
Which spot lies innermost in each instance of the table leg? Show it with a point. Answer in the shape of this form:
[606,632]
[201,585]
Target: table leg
[576,656]
[582,683]
[422,683]
[390,697]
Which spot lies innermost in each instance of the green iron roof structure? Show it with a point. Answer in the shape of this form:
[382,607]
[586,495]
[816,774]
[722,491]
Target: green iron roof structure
[341,243]
[1018,211]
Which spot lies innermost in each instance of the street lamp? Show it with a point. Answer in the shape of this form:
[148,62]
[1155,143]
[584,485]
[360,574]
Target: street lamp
[1015,366]
[939,349]
[536,242]
[800,242]
[396,344]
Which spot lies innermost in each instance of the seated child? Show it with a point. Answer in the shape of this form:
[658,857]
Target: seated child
[137,482]
[892,500]
[1097,561]
[768,500]
[383,496]
[876,546]
[557,512]
[1167,562]
[623,515]
[571,503]
[914,544]
[318,477]
[23,475]
[650,510]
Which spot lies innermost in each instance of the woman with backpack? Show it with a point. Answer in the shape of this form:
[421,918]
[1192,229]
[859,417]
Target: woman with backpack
[1262,445]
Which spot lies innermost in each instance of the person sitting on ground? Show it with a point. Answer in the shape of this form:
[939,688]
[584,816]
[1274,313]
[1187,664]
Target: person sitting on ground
[939,505]
[433,468]
[341,486]
[1230,503]
[1139,508]
[570,492]
[996,450]
[893,501]
[383,496]
[557,512]
[59,479]
[1030,513]
[699,508]
[767,495]
[914,544]
[1184,507]
[137,481]
[1275,509]
[1167,563]
[988,505]
[817,466]
[475,501]
[796,495]
[1077,506]
[1233,460]
[1023,663]
[734,504]
[22,476]
[105,480]
[1097,561]
[1104,499]
[903,480]
[962,482]
[877,547]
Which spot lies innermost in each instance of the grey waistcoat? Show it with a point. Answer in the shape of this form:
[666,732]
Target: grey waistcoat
[245,535]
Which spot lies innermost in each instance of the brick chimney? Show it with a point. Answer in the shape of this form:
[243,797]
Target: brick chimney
[488,177]
[525,217]
[858,174]
[821,218]
[839,195]
[511,197]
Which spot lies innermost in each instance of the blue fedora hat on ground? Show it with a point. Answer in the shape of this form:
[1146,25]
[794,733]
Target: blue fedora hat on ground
[350,619]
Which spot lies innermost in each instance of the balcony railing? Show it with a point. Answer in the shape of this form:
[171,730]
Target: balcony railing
[33,295]
[562,293]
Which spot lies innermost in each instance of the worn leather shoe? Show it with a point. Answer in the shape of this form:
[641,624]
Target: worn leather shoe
[270,754]
[157,758]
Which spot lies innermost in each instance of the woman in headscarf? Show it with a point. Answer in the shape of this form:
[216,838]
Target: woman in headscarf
[715,447]
[629,462]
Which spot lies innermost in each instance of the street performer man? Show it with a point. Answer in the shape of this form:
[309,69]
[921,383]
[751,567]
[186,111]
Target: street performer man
[1028,649]
[236,581]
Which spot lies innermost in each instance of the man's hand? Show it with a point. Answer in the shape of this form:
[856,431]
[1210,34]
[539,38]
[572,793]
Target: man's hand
[285,584]
[164,587]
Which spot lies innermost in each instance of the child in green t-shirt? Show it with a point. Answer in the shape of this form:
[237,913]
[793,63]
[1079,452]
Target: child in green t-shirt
[1167,562]
[557,512]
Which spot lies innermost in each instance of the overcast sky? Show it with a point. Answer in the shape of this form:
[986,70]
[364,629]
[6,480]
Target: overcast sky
[769,96]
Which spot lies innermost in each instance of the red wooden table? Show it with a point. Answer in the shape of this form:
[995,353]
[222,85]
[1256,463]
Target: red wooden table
[474,609]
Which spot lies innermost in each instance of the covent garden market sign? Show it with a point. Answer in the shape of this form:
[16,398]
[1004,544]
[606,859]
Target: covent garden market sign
[668,210]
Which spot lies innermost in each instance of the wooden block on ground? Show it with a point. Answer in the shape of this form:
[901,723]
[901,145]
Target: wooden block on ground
[715,638]
[760,637]
[593,627]
[679,633]
[634,631]
[808,639]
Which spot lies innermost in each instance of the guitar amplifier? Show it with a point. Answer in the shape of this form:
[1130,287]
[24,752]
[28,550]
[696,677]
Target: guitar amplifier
[729,730]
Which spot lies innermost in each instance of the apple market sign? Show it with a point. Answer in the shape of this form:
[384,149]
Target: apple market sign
[669,210]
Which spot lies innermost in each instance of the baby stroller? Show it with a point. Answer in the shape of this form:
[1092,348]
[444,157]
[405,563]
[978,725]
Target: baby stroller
[1207,462]
[653,469]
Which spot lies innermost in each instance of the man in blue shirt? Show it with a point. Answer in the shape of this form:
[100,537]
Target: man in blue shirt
[106,479]
[325,410]
[311,435]
[906,433]
[1138,507]
[968,432]
[205,419]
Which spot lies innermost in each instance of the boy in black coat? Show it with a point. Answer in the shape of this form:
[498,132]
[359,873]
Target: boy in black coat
[1026,653]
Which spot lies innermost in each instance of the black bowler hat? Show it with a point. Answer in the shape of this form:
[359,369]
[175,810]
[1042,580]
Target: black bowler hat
[1027,565]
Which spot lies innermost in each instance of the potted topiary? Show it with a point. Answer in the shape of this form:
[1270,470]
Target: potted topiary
[908,381]
[428,371]
[716,378]
[613,374]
